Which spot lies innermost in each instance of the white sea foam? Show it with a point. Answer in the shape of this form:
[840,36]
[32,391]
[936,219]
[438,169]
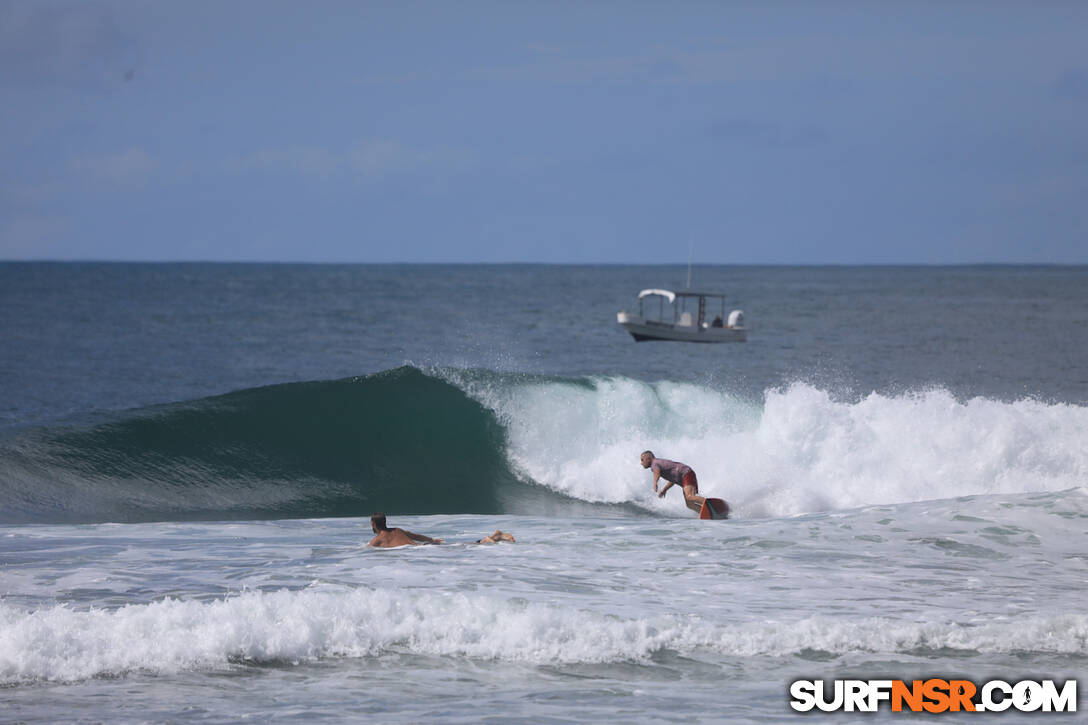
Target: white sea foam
[63,644]
[815,452]
[802,451]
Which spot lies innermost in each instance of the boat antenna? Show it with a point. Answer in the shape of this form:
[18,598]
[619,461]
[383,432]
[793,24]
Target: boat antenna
[689,265]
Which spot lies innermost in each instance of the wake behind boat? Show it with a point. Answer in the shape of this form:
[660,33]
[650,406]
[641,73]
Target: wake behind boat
[675,321]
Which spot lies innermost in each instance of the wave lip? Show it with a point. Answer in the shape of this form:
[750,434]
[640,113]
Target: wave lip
[62,644]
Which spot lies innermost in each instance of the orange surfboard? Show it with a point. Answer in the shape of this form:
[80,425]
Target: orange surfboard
[714,508]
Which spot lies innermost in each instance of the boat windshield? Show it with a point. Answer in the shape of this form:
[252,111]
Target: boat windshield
[685,309]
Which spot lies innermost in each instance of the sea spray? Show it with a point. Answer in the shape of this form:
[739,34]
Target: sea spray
[803,451]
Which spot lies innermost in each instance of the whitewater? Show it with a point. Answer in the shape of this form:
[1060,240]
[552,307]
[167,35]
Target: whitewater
[800,451]
[608,617]
[184,494]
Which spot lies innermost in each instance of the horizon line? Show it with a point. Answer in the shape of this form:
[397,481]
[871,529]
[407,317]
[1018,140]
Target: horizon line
[532,264]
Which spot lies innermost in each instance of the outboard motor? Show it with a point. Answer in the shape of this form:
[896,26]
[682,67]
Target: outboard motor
[736,318]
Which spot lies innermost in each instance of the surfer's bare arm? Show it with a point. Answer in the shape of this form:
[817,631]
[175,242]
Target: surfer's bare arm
[665,489]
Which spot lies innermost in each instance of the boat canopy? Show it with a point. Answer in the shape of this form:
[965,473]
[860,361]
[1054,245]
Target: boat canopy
[671,296]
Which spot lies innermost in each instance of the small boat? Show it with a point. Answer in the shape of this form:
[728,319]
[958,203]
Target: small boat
[676,322]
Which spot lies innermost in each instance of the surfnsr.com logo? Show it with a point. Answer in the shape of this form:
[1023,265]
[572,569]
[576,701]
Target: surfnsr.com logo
[933,695]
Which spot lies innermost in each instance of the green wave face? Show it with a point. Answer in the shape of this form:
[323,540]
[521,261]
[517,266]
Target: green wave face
[398,441]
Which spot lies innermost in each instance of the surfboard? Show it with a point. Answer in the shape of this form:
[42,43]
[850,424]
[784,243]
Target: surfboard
[714,508]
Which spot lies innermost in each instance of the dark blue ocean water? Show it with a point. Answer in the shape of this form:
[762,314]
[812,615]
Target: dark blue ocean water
[188,453]
[78,338]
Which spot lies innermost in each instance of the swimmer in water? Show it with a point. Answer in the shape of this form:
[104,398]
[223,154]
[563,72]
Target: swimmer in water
[387,538]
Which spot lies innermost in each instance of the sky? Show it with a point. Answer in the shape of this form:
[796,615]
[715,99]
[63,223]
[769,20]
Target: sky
[589,132]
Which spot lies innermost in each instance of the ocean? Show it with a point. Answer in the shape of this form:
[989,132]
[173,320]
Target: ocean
[189,455]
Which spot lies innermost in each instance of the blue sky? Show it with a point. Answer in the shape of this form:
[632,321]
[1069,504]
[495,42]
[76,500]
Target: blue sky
[565,132]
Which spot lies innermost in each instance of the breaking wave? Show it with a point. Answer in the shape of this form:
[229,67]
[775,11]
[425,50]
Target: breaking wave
[410,441]
[64,644]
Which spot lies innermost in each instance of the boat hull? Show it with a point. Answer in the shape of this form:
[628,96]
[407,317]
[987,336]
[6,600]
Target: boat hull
[648,330]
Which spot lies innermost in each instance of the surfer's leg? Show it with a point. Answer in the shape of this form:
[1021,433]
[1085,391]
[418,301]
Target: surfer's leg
[693,500]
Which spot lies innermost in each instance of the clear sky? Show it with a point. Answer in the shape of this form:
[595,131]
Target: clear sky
[545,131]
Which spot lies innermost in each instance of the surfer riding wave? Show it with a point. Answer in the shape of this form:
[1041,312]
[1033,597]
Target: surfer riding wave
[674,473]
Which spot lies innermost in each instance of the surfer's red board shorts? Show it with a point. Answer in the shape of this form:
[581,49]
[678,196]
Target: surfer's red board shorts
[690,480]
